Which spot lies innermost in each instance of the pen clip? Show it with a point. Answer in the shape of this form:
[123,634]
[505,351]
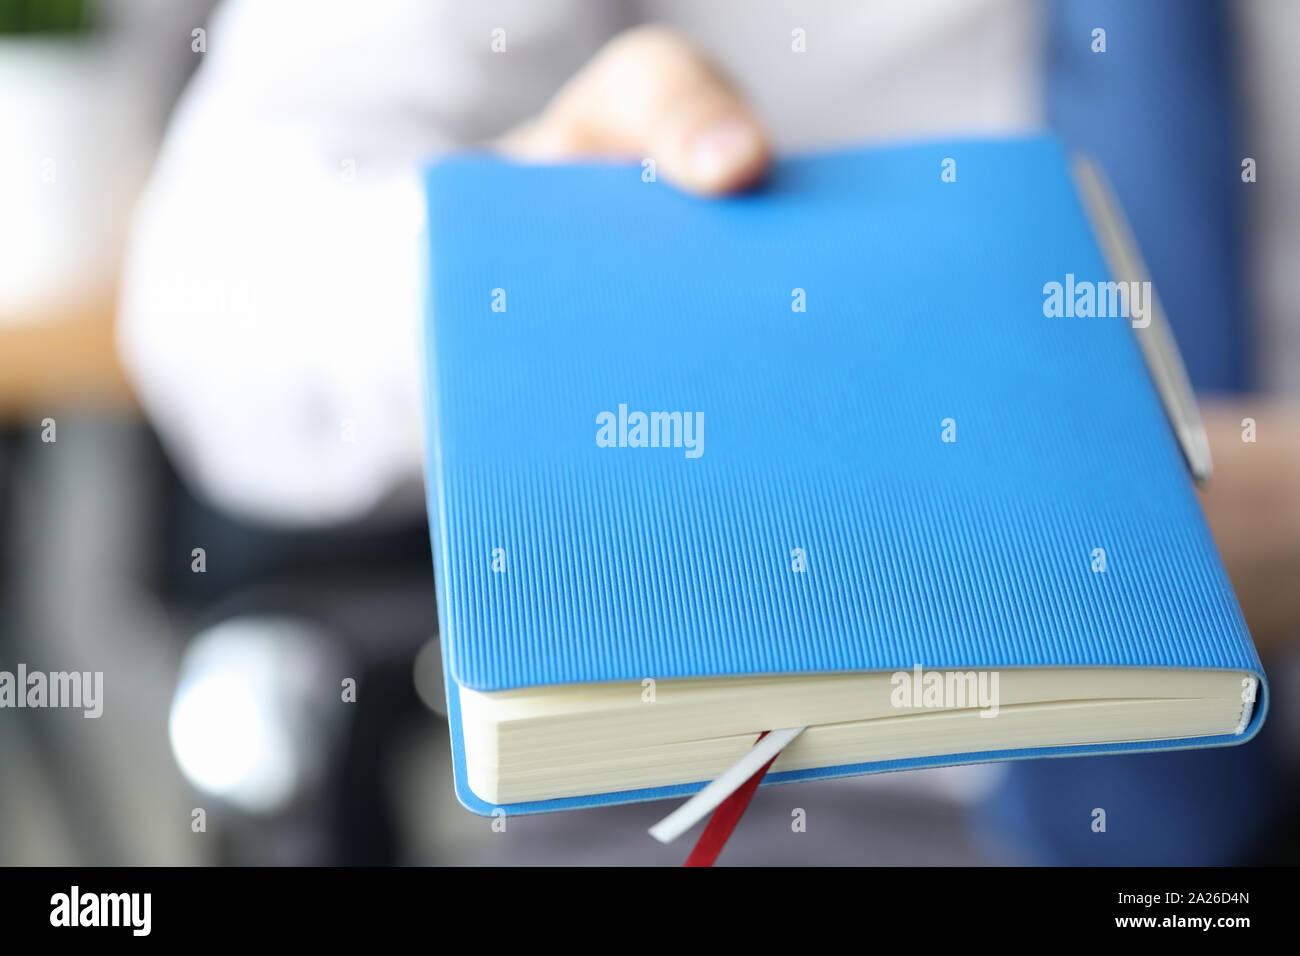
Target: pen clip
[1155,338]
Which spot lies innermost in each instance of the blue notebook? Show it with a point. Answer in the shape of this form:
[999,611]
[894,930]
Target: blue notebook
[698,469]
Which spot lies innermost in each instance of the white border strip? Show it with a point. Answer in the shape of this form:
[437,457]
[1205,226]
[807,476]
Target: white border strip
[706,801]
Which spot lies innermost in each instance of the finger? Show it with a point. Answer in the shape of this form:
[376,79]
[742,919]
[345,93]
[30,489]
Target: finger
[649,93]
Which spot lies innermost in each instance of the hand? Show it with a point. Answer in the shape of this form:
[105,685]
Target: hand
[649,93]
[1253,506]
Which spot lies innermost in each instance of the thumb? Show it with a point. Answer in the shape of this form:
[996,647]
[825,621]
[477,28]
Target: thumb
[650,93]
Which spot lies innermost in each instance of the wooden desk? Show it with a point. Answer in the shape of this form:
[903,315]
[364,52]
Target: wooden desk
[63,360]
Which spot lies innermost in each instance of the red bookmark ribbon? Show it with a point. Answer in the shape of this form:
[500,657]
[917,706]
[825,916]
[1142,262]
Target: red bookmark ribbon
[724,819]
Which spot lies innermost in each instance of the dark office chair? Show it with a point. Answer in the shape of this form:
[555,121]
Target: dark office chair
[291,616]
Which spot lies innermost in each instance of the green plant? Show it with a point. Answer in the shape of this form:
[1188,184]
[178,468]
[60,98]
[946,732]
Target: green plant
[44,16]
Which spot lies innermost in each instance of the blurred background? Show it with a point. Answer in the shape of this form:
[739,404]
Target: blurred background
[214,659]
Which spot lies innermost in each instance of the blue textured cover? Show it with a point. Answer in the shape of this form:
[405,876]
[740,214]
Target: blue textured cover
[924,302]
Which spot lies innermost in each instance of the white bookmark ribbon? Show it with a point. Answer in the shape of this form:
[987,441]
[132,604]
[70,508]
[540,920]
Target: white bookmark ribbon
[706,801]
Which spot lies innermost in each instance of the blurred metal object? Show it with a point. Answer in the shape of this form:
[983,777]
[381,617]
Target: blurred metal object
[257,711]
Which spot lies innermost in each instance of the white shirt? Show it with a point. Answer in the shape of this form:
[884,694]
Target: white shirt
[272,295]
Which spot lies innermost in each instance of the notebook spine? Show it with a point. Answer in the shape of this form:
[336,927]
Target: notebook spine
[1154,337]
